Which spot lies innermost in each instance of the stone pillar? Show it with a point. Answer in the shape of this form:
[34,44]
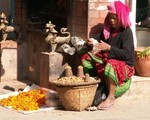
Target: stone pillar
[52,66]
[8,61]
[132,4]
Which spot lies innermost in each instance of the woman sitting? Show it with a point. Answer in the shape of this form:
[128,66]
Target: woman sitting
[113,55]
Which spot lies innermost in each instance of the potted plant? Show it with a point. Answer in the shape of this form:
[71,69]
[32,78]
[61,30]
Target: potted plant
[142,61]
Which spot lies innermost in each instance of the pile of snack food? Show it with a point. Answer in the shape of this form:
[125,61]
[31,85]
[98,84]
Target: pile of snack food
[72,80]
[26,101]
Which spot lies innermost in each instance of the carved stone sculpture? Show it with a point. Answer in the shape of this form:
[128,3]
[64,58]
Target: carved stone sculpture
[52,36]
[5,28]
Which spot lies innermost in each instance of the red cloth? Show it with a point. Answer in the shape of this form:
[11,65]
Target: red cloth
[122,12]
[122,70]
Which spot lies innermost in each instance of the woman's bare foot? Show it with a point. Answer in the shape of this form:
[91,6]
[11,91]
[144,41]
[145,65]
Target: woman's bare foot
[106,104]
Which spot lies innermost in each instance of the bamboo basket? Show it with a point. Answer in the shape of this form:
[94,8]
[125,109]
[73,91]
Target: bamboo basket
[76,97]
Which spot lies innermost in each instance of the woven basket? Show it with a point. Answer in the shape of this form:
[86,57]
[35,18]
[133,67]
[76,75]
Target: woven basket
[76,97]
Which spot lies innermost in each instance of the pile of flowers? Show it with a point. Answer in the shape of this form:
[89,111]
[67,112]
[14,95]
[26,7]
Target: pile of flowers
[26,101]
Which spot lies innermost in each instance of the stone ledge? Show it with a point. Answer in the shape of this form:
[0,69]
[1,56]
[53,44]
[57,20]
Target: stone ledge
[139,78]
[140,28]
[139,88]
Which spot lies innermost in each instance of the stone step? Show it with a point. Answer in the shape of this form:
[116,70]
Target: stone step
[139,88]
[13,86]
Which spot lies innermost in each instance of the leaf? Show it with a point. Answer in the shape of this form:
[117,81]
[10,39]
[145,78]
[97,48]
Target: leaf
[144,53]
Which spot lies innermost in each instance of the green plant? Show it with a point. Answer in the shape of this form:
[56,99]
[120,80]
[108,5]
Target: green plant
[144,53]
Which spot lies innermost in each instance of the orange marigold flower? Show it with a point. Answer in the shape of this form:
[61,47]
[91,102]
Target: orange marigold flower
[27,101]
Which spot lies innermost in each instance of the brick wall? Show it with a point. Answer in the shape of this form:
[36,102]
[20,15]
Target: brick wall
[96,17]
[21,15]
[84,19]
[77,19]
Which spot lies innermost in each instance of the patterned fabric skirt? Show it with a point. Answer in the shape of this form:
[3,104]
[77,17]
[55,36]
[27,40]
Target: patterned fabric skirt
[118,70]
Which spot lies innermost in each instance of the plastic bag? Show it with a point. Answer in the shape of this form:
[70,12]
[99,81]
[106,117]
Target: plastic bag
[100,94]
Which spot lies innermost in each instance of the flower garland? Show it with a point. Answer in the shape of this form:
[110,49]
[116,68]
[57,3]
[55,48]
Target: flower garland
[27,101]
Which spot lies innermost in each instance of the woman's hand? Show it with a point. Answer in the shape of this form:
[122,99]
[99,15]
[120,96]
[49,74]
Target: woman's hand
[91,41]
[102,46]
[98,46]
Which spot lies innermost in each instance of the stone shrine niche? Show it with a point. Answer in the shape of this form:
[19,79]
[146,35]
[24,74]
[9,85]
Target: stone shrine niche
[39,12]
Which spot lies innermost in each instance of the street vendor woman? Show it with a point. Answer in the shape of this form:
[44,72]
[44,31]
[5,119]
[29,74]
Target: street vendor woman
[113,55]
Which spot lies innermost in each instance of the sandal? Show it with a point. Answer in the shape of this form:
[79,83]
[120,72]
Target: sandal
[105,108]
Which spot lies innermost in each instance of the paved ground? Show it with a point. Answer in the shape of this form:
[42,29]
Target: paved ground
[122,110]
[127,109]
